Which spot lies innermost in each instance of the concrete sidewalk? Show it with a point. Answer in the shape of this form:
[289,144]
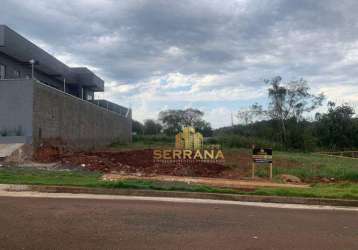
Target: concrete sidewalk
[79,196]
[25,190]
[214,182]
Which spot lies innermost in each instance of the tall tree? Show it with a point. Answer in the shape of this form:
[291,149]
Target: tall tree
[290,101]
[137,127]
[171,120]
[192,117]
[174,120]
[151,127]
[204,128]
[337,129]
[247,116]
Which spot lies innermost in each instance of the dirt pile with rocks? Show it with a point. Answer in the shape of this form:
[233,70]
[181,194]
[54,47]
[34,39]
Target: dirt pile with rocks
[138,162]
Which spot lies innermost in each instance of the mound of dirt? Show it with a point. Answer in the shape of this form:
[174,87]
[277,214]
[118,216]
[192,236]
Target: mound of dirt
[47,154]
[138,162]
[49,151]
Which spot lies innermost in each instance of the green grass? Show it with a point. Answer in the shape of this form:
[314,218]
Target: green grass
[165,186]
[333,191]
[147,141]
[237,141]
[90,179]
[43,177]
[310,166]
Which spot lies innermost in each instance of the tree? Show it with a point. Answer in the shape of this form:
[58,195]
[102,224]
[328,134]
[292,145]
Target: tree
[174,120]
[171,120]
[137,127]
[244,116]
[290,101]
[247,116]
[337,129]
[204,128]
[192,117]
[151,127]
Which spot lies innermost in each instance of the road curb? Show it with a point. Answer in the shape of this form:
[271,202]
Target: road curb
[176,194]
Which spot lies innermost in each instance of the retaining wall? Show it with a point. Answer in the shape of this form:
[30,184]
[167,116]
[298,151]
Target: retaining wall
[47,114]
[16,106]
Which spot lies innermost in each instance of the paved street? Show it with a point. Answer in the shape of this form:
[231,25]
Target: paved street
[60,223]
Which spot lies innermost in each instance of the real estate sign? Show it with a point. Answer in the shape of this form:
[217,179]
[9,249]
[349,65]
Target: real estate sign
[262,155]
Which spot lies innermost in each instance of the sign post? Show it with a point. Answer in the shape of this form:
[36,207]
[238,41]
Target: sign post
[261,155]
[253,170]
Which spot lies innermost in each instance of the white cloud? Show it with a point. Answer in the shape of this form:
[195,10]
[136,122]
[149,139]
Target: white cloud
[220,117]
[174,51]
[344,94]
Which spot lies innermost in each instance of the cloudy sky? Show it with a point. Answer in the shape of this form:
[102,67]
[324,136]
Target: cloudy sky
[207,54]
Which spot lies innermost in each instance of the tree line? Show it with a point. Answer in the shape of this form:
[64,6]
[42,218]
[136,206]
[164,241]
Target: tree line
[284,124]
[170,122]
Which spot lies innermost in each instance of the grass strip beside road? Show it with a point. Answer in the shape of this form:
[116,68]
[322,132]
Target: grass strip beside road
[92,179]
[310,166]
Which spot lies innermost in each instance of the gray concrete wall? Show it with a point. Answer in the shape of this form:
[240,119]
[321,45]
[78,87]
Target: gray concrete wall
[44,113]
[2,35]
[78,123]
[16,103]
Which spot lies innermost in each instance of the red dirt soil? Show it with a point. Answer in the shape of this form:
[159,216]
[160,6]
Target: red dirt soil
[140,163]
[129,162]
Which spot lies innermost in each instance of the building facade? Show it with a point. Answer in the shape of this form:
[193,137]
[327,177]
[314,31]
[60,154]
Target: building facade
[42,99]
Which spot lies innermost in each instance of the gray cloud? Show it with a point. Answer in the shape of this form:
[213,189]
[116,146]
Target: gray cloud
[214,37]
[240,42]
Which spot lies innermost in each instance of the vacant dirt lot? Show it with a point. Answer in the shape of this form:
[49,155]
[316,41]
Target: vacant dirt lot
[140,162]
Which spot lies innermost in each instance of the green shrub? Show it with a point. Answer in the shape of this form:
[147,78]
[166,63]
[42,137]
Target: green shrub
[237,141]
[153,139]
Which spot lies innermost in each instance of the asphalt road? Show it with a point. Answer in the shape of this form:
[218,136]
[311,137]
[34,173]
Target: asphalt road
[48,223]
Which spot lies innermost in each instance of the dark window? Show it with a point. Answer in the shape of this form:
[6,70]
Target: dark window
[16,73]
[89,97]
[2,71]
